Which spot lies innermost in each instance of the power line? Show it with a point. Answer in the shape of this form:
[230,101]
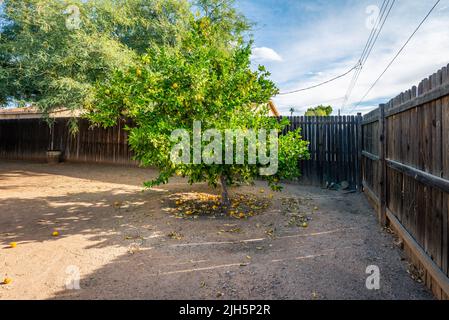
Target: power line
[370,45]
[320,84]
[368,42]
[360,63]
[380,30]
[375,32]
[397,55]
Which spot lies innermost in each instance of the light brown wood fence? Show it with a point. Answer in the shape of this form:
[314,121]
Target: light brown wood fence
[405,172]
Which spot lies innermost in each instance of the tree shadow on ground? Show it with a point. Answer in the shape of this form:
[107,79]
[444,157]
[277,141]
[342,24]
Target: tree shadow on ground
[75,199]
[97,215]
[150,264]
[123,175]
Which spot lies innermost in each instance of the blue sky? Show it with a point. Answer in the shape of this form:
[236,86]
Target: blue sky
[305,42]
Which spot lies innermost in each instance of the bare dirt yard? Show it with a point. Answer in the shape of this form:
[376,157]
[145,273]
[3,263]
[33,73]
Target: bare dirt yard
[128,243]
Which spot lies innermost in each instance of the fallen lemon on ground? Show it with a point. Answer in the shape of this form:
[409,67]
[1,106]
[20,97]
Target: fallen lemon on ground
[7,281]
[55,234]
[305,225]
[13,244]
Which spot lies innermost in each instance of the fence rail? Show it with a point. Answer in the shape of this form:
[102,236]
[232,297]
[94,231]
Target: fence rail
[405,172]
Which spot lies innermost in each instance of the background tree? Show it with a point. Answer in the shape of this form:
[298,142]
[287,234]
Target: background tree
[206,78]
[292,111]
[320,111]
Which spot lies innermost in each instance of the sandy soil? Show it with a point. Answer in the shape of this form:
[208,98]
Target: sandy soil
[115,235]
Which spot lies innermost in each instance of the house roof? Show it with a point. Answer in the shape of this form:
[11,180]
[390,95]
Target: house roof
[35,113]
[273,109]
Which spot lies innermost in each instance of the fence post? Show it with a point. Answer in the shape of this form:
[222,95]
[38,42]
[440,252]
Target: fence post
[359,137]
[383,166]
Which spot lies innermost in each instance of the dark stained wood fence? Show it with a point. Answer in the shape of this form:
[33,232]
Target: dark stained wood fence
[29,139]
[405,170]
[335,145]
[335,149]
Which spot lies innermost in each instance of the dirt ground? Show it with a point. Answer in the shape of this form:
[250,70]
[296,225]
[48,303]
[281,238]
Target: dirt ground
[125,242]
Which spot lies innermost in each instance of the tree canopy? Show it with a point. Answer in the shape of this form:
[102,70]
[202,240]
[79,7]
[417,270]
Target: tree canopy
[206,78]
[320,111]
[52,53]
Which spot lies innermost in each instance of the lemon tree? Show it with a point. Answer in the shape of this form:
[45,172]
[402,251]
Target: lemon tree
[206,78]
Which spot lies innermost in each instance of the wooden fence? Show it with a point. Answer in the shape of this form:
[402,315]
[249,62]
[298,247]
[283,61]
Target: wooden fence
[405,172]
[335,149]
[401,150]
[29,139]
[335,145]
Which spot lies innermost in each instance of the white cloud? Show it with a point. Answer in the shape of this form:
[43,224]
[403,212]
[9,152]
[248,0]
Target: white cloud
[322,49]
[264,54]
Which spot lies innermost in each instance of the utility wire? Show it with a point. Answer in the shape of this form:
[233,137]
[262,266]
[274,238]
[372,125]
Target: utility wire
[359,64]
[368,43]
[380,30]
[368,48]
[320,84]
[396,56]
[375,32]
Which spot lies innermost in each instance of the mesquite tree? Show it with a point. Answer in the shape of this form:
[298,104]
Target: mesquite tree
[52,53]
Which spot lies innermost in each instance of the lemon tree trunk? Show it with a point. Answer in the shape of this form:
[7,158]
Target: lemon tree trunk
[225,201]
